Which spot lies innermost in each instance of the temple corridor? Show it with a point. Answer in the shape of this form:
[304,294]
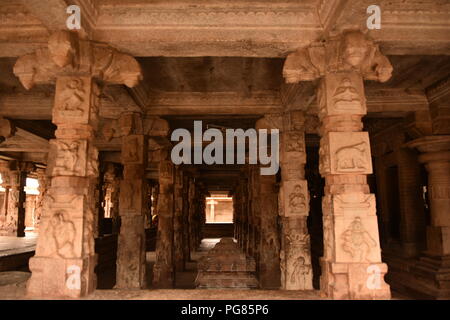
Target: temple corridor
[247,148]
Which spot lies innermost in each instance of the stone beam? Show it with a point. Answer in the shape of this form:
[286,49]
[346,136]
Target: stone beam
[53,14]
[329,12]
[24,141]
[38,105]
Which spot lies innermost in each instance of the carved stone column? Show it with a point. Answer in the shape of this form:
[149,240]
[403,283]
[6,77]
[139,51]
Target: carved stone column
[132,205]
[185,218]
[413,222]
[269,248]
[6,184]
[179,259]
[237,206]
[351,265]
[434,265]
[64,262]
[265,214]
[435,154]
[191,217]
[252,210]
[65,259]
[43,181]
[294,206]
[14,176]
[163,270]
[201,213]
[244,211]
[112,194]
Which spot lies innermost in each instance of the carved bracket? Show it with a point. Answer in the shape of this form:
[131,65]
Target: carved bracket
[66,54]
[351,51]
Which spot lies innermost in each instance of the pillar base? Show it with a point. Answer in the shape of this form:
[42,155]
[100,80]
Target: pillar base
[354,281]
[56,277]
[426,278]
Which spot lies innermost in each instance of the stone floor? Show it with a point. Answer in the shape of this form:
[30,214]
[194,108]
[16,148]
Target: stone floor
[12,284]
[14,245]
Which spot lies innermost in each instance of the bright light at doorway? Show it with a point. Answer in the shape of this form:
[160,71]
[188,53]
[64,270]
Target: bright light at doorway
[219,208]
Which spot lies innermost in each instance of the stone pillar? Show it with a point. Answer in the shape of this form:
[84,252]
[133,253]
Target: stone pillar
[431,272]
[265,213]
[179,259]
[351,265]
[100,196]
[132,205]
[251,224]
[244,212]
[43,181]
[64,262]
[65,258]
[112,188]
[295,256]
[269,248]
[191,217]
[237,206]
[185,218]
[412,211]
[435,154]
[15,174]
[201,213]
[4,172]
[163,270]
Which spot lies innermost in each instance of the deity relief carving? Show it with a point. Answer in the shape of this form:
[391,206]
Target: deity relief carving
[63,234]
[68,160]
[76,100]
[298,266]
[341,94]
[297,200]
[357,242]
[352,158]
[132,149]
[72,97]
[295,142]
[346,97]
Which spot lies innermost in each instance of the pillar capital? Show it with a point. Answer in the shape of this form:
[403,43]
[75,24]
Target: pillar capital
[431,144]
[66,54]
[435,154]
[351,51]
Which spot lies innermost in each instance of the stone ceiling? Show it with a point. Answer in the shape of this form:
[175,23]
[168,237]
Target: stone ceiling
[250,28]
[221,60]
